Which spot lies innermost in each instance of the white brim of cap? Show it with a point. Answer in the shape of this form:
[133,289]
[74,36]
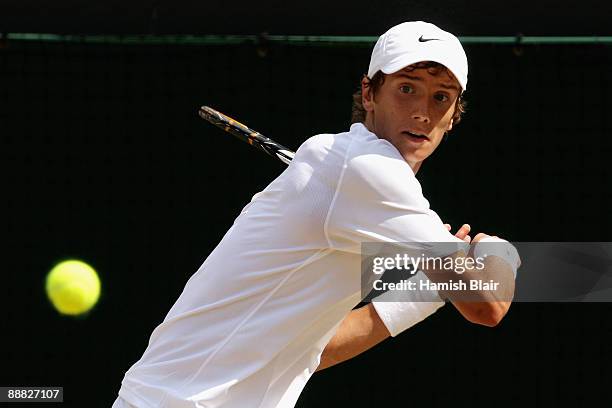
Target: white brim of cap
[405,60]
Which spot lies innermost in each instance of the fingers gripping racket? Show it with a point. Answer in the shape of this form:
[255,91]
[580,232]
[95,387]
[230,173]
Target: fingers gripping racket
[247,134]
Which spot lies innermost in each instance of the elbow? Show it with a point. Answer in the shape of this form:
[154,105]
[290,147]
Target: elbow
[328,358]
[491,314]
[490,320]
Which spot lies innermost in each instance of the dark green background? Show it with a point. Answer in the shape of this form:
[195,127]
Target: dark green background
[105,159]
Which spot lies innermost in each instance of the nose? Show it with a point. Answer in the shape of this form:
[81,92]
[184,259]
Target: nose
[421,109]
[422,117]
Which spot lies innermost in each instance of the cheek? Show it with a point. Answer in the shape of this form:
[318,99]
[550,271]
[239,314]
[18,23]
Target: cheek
[445,118]
[397,110]
[385,111]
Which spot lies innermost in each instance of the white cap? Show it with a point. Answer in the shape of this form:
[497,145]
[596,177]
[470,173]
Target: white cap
[417,41]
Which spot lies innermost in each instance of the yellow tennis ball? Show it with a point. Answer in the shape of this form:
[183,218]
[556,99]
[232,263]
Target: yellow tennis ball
[73,287]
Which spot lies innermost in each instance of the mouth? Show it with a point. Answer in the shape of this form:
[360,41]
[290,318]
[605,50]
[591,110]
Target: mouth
[416,137]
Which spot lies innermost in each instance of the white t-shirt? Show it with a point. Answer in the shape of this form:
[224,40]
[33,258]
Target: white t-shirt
[251,324]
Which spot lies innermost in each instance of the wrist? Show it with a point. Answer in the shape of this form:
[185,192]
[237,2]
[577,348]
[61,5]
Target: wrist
[416,306]
[494,246]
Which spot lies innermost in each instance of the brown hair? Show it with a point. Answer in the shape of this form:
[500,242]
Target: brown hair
[358,113]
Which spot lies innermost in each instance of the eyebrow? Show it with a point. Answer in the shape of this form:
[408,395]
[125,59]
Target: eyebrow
[414,78]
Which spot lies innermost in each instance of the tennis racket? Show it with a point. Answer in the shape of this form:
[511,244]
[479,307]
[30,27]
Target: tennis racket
[247,134]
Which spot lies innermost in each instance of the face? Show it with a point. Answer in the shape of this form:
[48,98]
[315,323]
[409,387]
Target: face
[412,109]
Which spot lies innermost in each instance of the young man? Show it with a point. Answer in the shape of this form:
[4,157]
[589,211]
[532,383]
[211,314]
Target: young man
[273,302]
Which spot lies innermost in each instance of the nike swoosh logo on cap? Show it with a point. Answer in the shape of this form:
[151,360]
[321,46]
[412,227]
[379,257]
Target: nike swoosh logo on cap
[421,39]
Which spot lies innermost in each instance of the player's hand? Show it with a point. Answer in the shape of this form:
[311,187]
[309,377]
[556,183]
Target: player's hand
[463,232]
[482,235]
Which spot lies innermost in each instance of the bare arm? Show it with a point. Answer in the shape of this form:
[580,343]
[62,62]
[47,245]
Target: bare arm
[492,309]
[360,330]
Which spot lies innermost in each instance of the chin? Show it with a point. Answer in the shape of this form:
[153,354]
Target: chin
[415,156]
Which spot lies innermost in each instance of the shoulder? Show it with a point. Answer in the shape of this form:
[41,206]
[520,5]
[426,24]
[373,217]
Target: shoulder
[370,156]
[375,169]
[316,146]
[323,153]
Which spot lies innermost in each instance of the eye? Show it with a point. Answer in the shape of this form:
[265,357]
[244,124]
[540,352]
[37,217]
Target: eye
[406,89]
[441,97]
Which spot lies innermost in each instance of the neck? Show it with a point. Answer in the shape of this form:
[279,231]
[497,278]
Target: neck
[415,166]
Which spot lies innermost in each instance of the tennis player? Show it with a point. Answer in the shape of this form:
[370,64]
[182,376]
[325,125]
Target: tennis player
[274,301]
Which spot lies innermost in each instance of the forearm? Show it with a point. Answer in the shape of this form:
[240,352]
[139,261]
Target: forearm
[488,305]
[361,330]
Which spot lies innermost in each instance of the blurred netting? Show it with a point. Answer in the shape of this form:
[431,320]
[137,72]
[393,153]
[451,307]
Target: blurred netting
[118,120]
[104,157]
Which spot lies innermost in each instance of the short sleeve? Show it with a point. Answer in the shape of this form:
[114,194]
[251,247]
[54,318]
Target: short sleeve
[378,199]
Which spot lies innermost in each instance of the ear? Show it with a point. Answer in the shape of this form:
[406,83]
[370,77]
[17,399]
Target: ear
[366,95]
[450,125]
